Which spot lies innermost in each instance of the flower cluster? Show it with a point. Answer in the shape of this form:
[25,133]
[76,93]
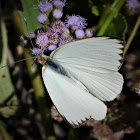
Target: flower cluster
[132,4]
[45,7]
[58,33]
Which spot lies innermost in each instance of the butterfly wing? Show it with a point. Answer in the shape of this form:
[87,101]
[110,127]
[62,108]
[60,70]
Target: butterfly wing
[104,86]
[71,98]
[94,62]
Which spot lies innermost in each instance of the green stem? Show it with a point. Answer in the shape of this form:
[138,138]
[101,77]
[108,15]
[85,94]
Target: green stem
[132,35]
[37,83]
[3,133]
[110,14]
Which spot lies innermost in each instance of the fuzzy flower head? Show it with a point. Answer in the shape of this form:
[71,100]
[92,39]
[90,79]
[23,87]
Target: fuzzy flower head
[24,40]
[52,47]
[79,33]
[44,6]
[65,34]
[65,41]
[138,90]
[59,3]
[132,4]
[41,18]
[42,40]
[36,51]
[89,32]
[53,38]
[57,13]
[31,35]
[46,29]
[76,21]
[58,26]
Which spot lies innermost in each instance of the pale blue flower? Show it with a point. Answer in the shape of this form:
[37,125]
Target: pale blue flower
[76,21]
[53,38]
[89,32]
[52,47]
[42,18]
[57,13]
[65,41]
[79,33]
[36,51]
[42,40]
[44,6]
[132,4]
[58,27]
[59,3]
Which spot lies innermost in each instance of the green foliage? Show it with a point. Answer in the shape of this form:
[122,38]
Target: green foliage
[111,23]
[117,27]
[95,10]
[98,7]
[3,133]
[8,100]
[30,12]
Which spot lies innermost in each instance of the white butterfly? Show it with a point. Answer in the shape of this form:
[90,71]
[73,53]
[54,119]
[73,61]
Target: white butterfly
[81,74]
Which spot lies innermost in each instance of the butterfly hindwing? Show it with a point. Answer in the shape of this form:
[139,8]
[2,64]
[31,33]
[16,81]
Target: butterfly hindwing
[71,98]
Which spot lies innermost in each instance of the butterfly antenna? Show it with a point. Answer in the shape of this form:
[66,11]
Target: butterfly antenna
[28,31]
[17,62]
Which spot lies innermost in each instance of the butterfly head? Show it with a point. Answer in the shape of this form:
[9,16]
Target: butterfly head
[42,59]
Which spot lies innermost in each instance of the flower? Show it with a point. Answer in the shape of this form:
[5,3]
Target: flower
[47,30]
[42,18]
[66,33]
[65,41]
[74,27]
[58,26]
[52,47]
[36,51]
[44,6]
[79,33]
[53,38]
[89,32]
[58,3]
[31,35]
[42,40]
[76,20]
[24,40]
[138,90]
[57,13]
[132,4]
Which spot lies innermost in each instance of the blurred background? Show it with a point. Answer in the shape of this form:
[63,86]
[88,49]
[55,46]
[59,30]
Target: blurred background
[27,112]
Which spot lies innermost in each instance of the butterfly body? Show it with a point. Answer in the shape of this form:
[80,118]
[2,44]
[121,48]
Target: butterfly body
[48,61]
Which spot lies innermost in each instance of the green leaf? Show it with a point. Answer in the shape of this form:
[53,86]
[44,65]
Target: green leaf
[7,98]
[95,10]
[108,15]
[118,27]
[3,133]
[30,12]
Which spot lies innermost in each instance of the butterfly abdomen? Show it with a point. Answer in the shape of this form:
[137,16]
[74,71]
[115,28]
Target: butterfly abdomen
[57,67]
